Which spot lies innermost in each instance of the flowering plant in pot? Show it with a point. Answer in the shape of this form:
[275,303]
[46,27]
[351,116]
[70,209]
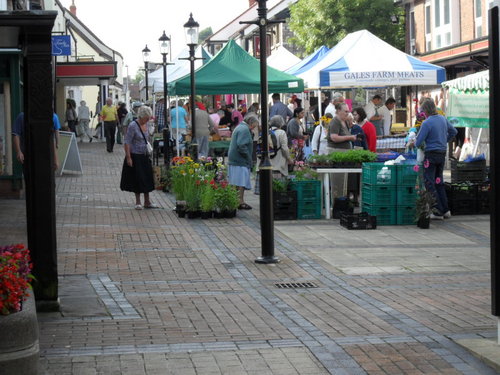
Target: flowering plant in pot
[425,200]
[15,276]
[226,200]
[19,350]
[207,198]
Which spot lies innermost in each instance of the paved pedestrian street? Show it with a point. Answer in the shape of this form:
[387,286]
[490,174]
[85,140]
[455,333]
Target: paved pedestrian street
[144,292]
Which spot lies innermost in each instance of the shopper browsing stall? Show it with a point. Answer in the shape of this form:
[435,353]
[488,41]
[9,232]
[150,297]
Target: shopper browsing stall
[436,131]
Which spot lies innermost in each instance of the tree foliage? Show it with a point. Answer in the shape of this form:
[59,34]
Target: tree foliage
[204,34]
[326,22]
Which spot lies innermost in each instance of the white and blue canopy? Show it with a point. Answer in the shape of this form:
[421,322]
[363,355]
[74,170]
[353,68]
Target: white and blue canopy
[363,60]
[307,63]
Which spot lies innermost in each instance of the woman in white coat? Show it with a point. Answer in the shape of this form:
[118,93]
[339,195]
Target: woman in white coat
[319,141]
[280,158]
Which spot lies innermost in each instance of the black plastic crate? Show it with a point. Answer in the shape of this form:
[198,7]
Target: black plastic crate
[483,198]
[462,171]
[461,191]
[358,221]
[285,205]
[463,207]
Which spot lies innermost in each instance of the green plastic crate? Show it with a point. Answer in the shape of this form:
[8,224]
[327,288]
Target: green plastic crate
[373,175]
[406,215]
[307,190]
[406,175]
[309,209]
[386,215]
[405,195]
[379,195]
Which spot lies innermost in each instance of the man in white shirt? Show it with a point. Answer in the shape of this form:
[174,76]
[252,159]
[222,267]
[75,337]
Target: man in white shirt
[386,112]
[373,115]
[337,98]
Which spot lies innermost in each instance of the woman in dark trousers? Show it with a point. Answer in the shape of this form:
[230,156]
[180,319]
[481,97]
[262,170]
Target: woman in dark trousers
[137,172]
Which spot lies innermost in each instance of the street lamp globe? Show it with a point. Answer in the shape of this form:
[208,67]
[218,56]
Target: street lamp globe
[164,44]
[191,28]
[145,54]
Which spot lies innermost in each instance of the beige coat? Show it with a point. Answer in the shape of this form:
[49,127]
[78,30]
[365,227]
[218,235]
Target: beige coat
[280,161]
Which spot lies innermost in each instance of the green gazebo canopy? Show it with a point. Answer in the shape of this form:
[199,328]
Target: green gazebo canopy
[234,71]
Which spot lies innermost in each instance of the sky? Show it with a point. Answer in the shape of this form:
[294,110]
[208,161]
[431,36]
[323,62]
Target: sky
[128,25]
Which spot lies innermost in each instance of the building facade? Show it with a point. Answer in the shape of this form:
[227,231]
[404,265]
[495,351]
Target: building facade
[449,33]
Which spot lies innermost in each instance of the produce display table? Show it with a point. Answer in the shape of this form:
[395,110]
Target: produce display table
[391,143]
[218,148]
[326,172]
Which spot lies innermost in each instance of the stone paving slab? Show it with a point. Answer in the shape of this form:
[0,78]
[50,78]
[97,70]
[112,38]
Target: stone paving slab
[144,292]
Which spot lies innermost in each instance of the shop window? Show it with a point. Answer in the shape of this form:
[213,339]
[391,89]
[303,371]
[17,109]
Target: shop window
[478,19]
[442,24]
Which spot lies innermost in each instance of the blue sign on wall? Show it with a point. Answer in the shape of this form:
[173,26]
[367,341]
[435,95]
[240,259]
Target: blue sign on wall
[61,45]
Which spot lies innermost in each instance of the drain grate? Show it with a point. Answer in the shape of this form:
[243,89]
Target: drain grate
[295,285]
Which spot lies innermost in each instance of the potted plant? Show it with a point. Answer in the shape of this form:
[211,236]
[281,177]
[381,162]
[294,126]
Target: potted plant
[424,203]
[18,323]
[207,199]
[193,191]
[284,200]
[226,200]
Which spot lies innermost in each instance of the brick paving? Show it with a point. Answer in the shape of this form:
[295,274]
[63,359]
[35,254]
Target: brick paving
[144,292]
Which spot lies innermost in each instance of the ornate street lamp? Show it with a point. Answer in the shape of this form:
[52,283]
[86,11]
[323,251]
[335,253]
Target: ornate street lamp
[164,49]
[145,57]
[191,28]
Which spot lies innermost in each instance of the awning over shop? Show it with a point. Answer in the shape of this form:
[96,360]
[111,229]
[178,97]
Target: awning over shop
[85,73]
[468,100]
[234,71]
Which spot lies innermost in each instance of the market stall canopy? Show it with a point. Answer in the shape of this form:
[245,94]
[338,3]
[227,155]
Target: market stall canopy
[468,100]
[234,71]
[282,59]
[179,68]
[363,60]
[309,61]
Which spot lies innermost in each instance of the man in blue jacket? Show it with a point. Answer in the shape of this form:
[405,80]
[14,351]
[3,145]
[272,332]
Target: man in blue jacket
[436,131]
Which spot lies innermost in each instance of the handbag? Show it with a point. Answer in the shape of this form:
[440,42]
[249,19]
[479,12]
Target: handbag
[149,148]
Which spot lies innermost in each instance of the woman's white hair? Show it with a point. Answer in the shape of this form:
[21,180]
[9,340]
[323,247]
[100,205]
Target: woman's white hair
[276,121]
[144,111]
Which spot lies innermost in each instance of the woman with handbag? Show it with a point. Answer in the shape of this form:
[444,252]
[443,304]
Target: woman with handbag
[137,172]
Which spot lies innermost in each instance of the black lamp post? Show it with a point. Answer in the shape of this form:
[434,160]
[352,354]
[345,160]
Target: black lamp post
[164,48]
[145,57]
[191,28]
[265,167]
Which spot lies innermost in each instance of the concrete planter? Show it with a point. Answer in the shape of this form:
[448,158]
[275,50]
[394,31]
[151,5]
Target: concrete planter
[19,348]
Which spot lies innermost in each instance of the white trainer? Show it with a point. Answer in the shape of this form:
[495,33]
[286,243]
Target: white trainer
[436,217]
[447,214]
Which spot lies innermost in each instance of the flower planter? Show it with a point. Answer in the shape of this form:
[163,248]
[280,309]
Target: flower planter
[193,214]
[229,213]
[424,222]
[206,214]
[19,348]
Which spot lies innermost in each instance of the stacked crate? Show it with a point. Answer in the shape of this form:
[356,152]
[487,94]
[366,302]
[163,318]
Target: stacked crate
[379,192]
[468,172]
[406,194]
[308,198]
[468,198]
[285,205]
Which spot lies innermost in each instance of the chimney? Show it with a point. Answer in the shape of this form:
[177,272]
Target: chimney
[72,8]
[251,3]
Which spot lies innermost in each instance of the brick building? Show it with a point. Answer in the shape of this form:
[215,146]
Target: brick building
[449,33]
